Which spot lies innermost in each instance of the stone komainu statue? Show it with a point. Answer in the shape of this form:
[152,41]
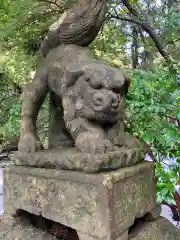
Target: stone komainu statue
[91,93]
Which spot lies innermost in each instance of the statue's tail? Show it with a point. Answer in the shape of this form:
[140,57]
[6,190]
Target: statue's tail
[79,25]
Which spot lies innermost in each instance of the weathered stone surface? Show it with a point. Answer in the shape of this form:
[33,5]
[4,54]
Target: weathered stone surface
[154,214]
[161,229]
[91,95]
[103,205]
[58,136]
[70,158]
[83,236]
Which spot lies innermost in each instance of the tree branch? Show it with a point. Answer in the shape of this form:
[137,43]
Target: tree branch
[130,8]
[124,19]
[157,41]
[173,41]
[51,2]
[145,26]
[33,18]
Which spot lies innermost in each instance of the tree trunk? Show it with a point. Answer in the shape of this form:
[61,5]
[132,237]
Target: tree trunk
[169,4]
[147,61]
[147,28]
[134,48]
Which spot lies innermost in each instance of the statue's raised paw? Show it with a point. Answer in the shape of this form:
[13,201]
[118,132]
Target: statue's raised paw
[93,143]
[29,143]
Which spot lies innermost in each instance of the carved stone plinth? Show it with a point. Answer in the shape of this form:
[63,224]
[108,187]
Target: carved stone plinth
[102,205]
[71,159]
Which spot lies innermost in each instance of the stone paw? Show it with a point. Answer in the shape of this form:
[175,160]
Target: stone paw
[29,143]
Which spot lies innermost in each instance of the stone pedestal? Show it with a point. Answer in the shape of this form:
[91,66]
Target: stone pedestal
[99,206]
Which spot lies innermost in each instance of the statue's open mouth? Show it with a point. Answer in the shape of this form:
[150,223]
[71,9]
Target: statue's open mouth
[105,110]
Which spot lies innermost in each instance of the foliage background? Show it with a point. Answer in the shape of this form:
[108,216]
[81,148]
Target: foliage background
[139,36]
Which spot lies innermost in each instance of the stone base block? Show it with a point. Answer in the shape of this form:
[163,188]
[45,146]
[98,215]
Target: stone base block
[83,236]
[102,205]
[160,229]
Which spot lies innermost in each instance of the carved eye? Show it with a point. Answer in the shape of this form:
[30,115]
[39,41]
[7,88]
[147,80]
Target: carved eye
[97,86]
[116,90]
[87,79]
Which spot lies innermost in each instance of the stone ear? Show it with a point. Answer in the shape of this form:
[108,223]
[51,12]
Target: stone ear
[72,77]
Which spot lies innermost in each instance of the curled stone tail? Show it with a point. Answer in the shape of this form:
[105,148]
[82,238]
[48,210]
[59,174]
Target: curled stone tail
[79,25]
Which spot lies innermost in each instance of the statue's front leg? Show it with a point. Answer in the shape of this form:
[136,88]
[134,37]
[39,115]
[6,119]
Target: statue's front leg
[33,97]
[88,137]
[120,138]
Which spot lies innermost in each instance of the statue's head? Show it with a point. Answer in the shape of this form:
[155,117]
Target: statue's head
[100,94]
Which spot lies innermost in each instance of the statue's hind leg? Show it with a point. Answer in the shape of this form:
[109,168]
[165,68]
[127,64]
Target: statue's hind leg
[58,134]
